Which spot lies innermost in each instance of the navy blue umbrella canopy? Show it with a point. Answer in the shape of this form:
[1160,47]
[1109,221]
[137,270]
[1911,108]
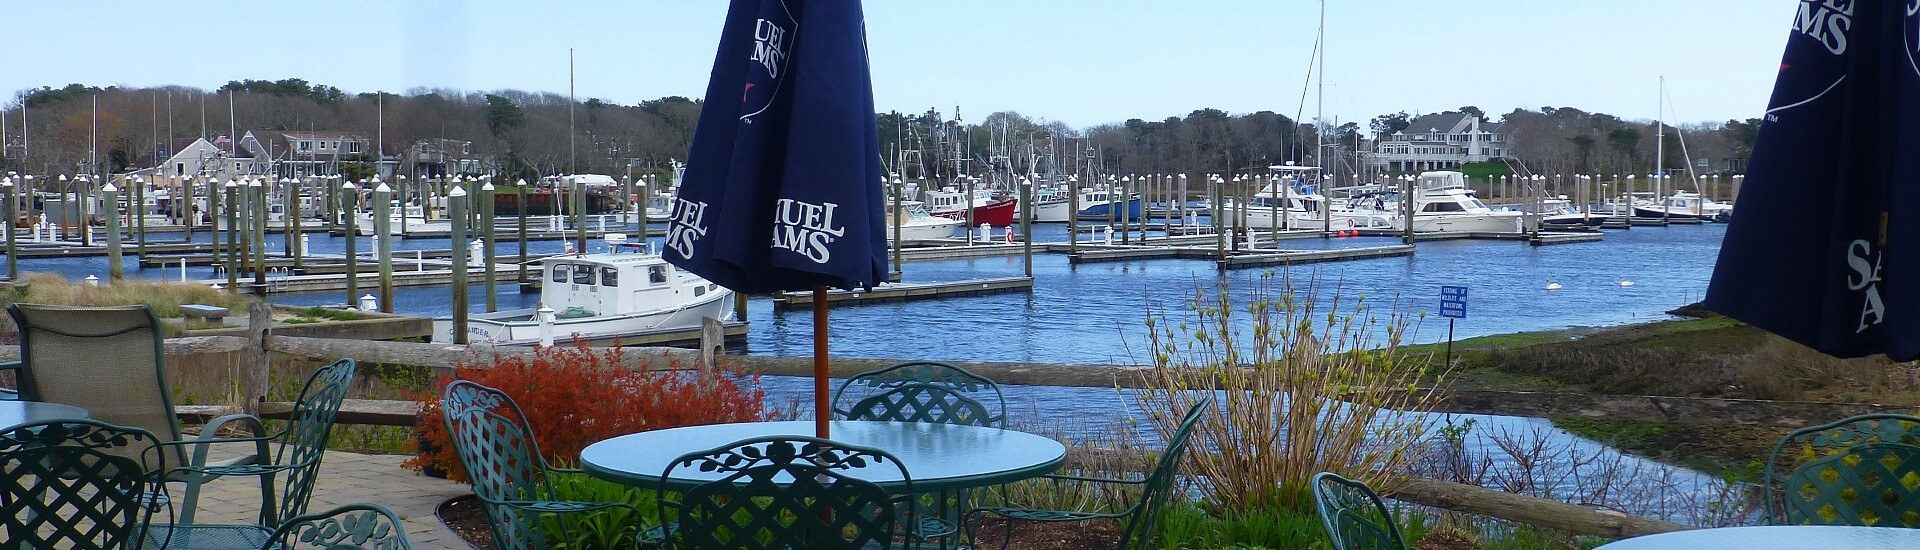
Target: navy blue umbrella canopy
[1828,220]
[782,187]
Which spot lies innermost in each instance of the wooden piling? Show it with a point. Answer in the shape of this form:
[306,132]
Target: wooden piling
[115,271]
[457,211]
[383,242]
[349,212]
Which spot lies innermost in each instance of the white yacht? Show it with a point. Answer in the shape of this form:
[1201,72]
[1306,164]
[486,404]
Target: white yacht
[1560,212]
[1682,205]
[601,297]
[920,225]
[401,219]
[1442,202]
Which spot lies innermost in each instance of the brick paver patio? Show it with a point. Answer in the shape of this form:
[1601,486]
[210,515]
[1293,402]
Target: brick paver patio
[347,478]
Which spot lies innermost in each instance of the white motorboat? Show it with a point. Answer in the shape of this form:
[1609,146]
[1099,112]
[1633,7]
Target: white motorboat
[1442,202]
[401,220]
[1682,205]
[1051,205]
[920,225]
[1560,212]
[602,297]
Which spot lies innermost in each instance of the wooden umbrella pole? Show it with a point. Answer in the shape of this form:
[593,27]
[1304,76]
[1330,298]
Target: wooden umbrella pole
[820,406]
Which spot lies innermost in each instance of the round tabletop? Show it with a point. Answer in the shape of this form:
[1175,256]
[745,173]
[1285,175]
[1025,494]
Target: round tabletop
[1776,537]
[14,413]
[937,456]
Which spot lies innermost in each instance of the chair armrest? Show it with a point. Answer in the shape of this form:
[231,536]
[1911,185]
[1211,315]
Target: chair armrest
[210,435]
[12,365]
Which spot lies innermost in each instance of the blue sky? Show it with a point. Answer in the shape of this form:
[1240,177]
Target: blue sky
[1083,62]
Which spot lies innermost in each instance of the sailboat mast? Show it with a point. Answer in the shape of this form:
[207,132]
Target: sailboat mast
[571,161]
[1660,141]
[1320,94]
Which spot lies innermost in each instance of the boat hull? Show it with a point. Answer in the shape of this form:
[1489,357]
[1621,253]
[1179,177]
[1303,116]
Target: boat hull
[541,202]
[1106,210]
[519,327]
[1055,211]
[942,229]
[1497,222]
[999,213]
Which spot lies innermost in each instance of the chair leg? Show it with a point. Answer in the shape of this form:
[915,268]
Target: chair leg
[191,501]
[267,508]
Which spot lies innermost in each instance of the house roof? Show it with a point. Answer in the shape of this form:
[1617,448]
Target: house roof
[1450,122]
[322,135]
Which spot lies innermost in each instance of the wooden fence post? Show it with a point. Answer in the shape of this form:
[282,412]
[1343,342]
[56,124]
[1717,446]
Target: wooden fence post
[713,341]
[259,317]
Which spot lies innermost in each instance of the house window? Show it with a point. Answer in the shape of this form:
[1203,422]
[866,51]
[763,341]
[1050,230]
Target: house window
[353,147]
[306,145]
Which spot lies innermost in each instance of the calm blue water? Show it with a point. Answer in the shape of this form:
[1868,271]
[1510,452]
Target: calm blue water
[1091,313]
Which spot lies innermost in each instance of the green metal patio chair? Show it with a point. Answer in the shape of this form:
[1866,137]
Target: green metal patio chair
[1354,516]
[783,492]
[928,392]
[65,354]
[354,526]
[1138,519]
[1815,477]
[509,474]
[1871,485]
[922,392]
[296,464]
[71,484]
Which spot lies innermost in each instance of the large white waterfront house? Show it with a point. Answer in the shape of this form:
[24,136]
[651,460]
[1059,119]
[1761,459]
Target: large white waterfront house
[1441,141]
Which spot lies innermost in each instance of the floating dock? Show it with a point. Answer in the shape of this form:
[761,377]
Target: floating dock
[1292,257]
[906,292]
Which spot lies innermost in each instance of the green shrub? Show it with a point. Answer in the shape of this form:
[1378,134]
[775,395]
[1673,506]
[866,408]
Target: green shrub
[608,528]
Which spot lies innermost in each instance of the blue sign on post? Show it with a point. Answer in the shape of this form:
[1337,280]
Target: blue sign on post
[1453,302]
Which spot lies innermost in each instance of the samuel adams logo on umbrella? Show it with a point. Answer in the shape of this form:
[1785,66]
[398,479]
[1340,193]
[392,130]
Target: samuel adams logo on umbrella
[781,189]
[1813,251]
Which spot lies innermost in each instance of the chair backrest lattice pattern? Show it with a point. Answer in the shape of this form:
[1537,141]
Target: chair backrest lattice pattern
[305,439]
[71,484]
[69,352]
[1158,490]
[1355,517]
[1872,485]
[922,392]
[1821,444]
[354,526]
[784,492]
[502,460]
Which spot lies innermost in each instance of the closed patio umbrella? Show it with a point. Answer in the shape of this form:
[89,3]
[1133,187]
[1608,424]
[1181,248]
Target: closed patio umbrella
[1827,227]
[782,186]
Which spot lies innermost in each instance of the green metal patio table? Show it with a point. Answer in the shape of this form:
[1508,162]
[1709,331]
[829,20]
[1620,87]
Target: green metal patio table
[14,413]
[938,456]
[1776,537]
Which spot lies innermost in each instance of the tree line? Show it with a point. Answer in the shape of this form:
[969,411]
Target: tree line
[524,134]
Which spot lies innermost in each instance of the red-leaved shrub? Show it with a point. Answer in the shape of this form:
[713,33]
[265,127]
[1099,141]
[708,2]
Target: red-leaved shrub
[575,395]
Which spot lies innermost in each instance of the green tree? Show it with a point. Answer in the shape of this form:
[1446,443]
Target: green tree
[503,114]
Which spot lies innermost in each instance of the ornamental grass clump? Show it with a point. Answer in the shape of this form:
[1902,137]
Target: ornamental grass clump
[1304,383]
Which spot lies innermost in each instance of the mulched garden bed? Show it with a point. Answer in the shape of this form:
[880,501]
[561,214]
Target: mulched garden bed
[466,518]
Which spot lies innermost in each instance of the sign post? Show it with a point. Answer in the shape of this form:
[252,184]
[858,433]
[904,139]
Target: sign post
[1453,306]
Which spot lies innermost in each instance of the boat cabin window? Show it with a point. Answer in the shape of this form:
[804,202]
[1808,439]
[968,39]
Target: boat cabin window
[699,291]
[657,274]
[560,273]
[583,274]
[1443,207]
[609,276]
